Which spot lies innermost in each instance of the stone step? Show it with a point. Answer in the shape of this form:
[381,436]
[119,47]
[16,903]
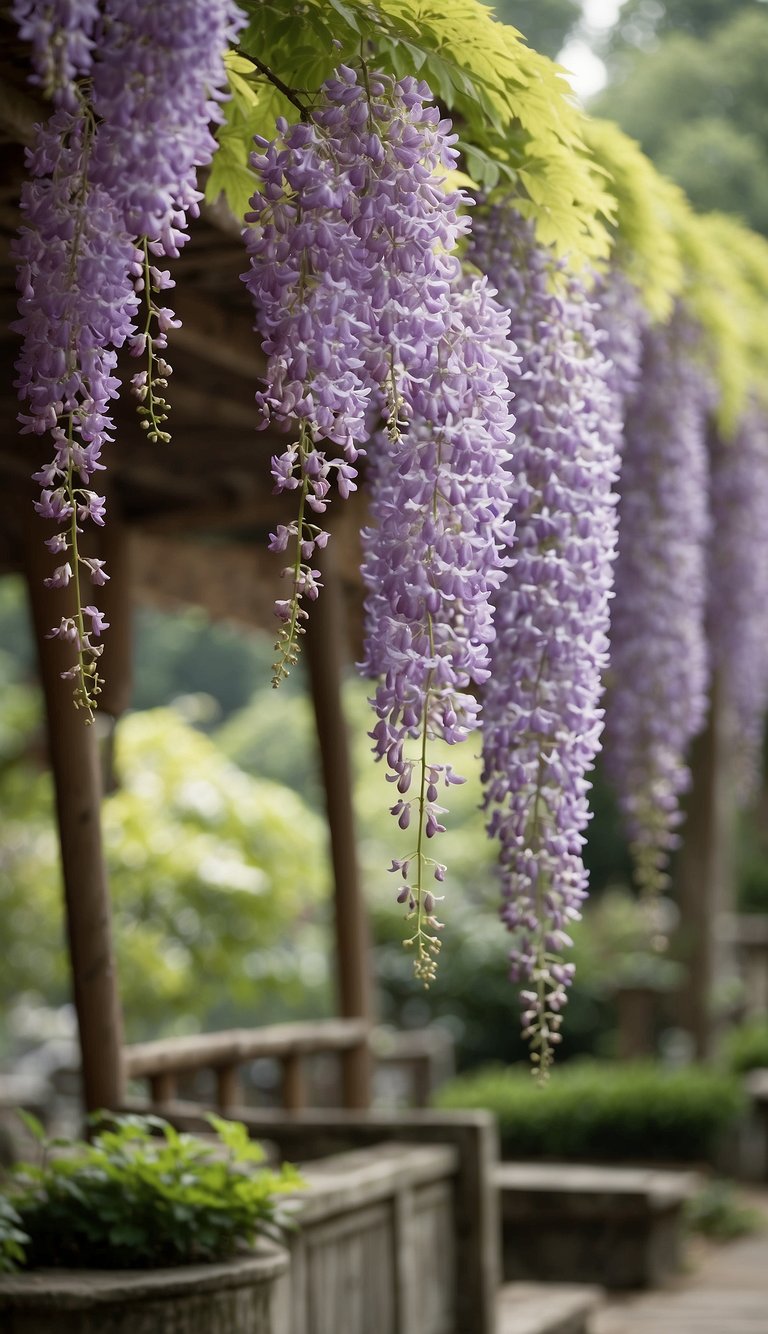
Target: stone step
[615,1226]
[547,1308]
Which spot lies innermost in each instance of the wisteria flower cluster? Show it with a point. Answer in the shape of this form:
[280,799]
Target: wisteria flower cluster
[659,660]
[738,585]
[350,246]
[364,313]
[619,314]
[61,34]
[112,181]
[434,555]
[541,716]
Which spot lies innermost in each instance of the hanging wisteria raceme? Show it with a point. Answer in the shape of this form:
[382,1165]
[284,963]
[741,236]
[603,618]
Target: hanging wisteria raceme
[541,717]
[115,162]
[620,316]
[157,88]
[350,272]
[738,585]
[659,661]
[61,33]
[434,555]
[77,305]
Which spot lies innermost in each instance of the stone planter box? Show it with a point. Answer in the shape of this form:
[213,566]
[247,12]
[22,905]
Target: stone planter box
[620,1227]
[236,1297]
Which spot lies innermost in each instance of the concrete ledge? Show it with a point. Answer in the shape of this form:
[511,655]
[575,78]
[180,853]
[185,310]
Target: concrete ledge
[547,1308]
[619,1227]
[234,1297]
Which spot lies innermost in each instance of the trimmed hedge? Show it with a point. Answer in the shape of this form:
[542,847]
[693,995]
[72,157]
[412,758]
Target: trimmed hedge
[746,1047]
[596,1110]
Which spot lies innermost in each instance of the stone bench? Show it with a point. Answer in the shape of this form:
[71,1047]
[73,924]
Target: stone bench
[547,1308]
[620,1227]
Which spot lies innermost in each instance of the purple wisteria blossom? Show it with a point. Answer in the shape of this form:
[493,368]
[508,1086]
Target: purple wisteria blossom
[116,161]
[157,87]
[77,306]
[351,268]
[61,33]
[541,717]
[657,698]
[738,586]
[434,555]
[621,317]
[158,84]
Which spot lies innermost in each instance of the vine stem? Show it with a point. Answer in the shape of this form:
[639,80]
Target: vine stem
[278,83]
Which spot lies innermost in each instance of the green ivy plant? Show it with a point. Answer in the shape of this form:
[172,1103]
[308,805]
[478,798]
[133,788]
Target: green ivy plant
[141,1195]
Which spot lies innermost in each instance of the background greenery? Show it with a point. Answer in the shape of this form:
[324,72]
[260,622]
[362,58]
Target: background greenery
[217,851]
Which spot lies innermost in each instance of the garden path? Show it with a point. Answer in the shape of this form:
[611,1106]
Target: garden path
[724,1292]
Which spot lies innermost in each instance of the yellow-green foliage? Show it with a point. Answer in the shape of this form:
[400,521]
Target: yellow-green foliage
[588,188]
[714,264]
[645,245]
[516,121]
[743,278]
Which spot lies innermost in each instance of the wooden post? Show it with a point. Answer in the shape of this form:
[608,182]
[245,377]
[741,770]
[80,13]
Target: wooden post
[114,599]
[324,641]
[116,662]
[704,876]
[292,1092]
[77,780]
[229,1092]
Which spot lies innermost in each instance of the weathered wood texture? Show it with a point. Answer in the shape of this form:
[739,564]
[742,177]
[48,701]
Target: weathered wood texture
[312,1135]
[161,1063]
[374,1253]
[620,1227]
[77,780]
[325,640]
[239,1297]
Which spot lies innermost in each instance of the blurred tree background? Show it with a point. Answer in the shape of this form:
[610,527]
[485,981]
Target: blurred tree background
[687,80]
[545,24]
[217,852]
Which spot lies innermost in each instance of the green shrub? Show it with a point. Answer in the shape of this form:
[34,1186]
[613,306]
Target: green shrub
[141,1195]
[603,1111]
[746,1047]
[717,1211]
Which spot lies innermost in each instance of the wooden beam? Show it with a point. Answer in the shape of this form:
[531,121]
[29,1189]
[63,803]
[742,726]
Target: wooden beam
[77,780]
[218,336]
[324,640]
[704,877]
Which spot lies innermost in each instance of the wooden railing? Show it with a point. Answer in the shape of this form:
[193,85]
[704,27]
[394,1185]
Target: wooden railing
[161,1063]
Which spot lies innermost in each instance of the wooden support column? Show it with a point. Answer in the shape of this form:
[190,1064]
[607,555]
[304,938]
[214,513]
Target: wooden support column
[116,662]
[324,640]
[704,878]
[76,774]
[114,599]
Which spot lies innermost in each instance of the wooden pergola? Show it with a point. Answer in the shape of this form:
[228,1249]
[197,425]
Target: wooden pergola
[188,523]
